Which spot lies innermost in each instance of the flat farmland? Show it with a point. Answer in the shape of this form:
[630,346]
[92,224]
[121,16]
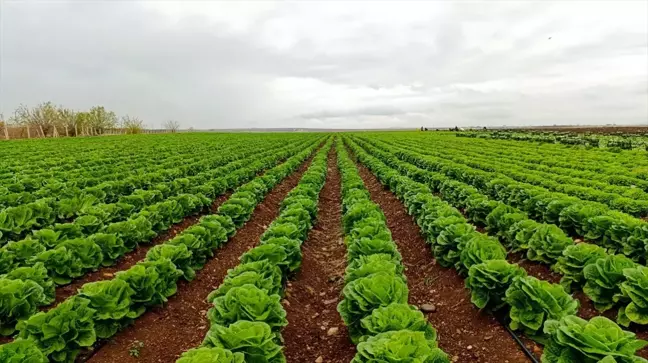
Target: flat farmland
[324,247]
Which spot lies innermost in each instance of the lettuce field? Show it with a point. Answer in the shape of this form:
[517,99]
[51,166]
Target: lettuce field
[418,247]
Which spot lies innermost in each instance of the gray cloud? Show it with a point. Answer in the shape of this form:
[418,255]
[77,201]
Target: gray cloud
[213,65]
[367,111]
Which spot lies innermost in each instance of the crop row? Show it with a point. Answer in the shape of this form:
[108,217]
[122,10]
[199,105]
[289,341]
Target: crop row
[607,279]
[633,201]
[602,178]
[108,182]
[544,311]
[374,302]
[247,316]
[111,198]
[94,163]
[624,141]
[157,205]
[625,168]
[616,231]
[57,260]
[102,308]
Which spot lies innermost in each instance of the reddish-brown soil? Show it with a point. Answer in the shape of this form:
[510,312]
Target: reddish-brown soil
[131,258]
[163,333]
[465,333]
[533,268]
[315,329]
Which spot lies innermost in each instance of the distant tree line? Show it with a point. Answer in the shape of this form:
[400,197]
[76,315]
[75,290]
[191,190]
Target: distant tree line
[49,120]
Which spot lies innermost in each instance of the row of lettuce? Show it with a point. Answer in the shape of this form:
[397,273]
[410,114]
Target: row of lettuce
[35,180]
[100,309]
[33,267]
[85,163]
[107,200]
[247,316]
[600,176]
[374,303]
[617,141]
[627,199]
[544,311]
[624,169]
[616,231]
[609,280]
[166,198]
[30,166]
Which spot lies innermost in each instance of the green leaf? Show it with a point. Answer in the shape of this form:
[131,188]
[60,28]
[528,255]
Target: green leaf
[399,346]
[255,340]
[572,339]
[211,355]
[248,302]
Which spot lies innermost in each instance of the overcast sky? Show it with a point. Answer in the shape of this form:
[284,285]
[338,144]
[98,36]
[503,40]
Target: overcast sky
[331,64]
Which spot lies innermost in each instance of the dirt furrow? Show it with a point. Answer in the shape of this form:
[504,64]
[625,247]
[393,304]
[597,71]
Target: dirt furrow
[315,329]
[465,333]
[163,333]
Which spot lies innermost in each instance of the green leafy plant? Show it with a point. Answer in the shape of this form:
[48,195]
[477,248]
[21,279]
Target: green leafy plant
[112,247]
[573,261]
[489,280]
[547,244]
[478,249]
[572,339]
[151,281]
[364,266]
[178,254]
[362,296]
[61,332]
[634,292]
[603,279]
[535,301]
[38,274]
[248,302]
[21,351]
[211,355]
[367,246]
[111,300]
[450,242]
[255,340]
[19,299]
[135,349]
[395,317]
[263,274]
[283,251]
[400,346]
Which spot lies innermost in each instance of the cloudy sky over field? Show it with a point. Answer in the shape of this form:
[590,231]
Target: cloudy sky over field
[331,64]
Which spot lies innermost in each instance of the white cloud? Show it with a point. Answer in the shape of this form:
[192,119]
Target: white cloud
[331,64]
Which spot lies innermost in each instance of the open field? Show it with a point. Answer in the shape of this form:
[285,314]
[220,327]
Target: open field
[322,247]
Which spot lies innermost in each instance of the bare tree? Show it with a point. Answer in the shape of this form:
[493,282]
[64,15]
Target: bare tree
[5,125]
[171,125]
[67,119]
[132,125]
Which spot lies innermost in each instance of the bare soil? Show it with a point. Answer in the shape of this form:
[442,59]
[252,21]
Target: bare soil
[131,258]
[465,333]
[533,268]
[165,332]
[315,328]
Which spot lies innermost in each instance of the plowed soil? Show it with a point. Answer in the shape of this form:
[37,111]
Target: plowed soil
[315,329]
[131,258]
[465,333]
[163,333]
